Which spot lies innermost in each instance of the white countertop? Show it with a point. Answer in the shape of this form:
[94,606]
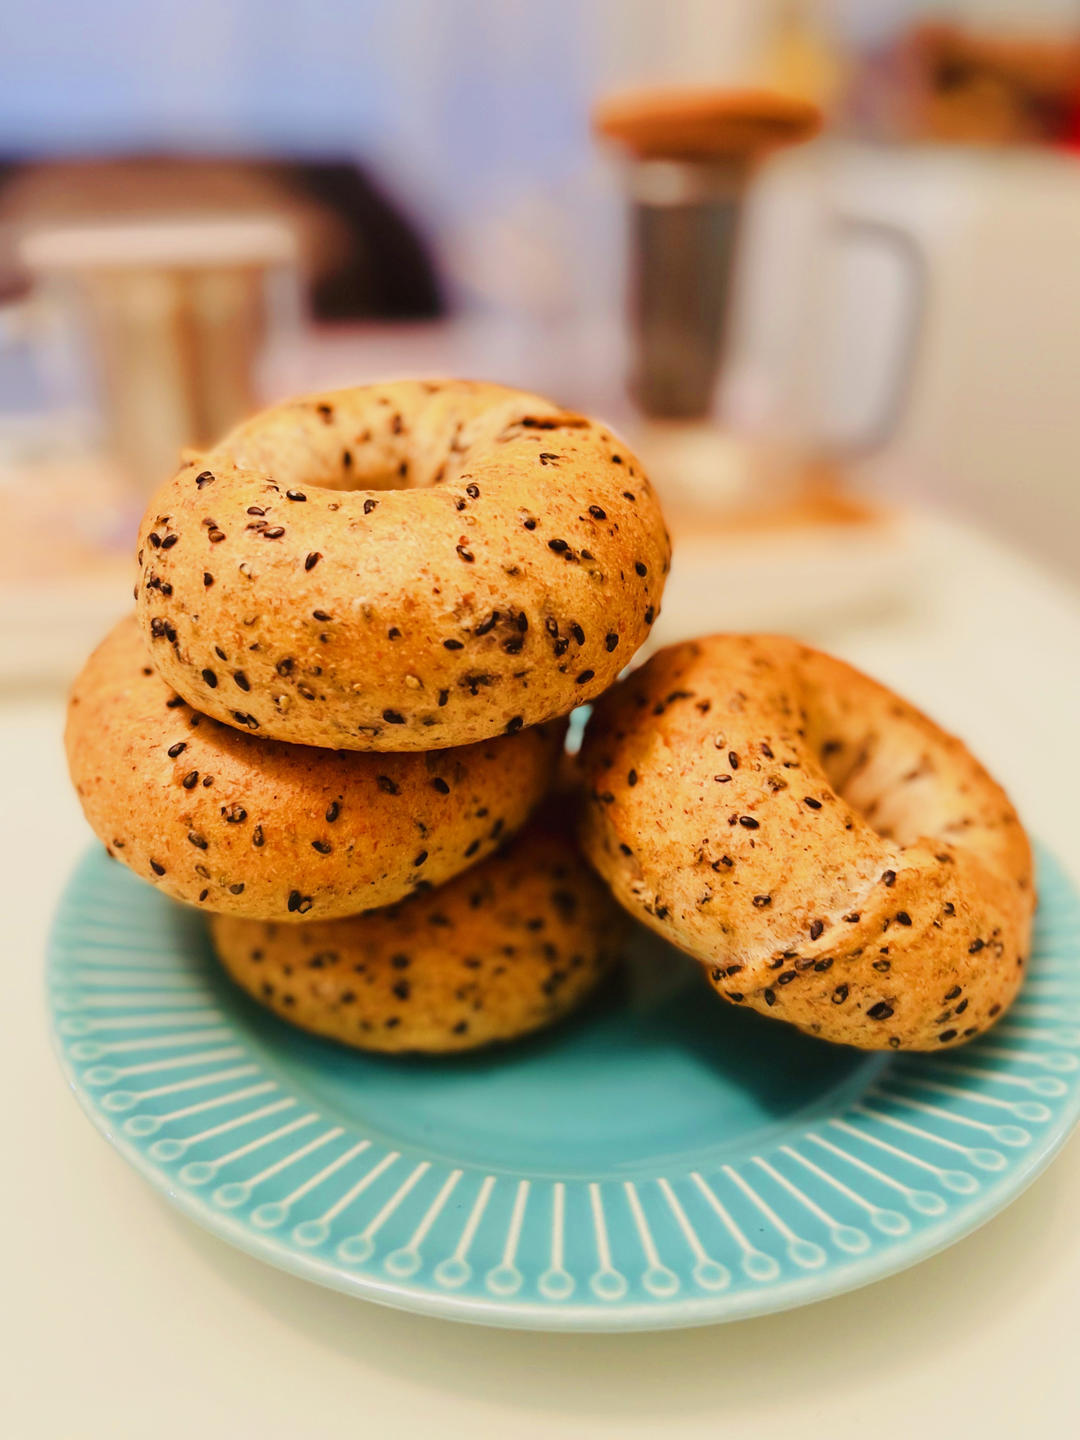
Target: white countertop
[127,1321]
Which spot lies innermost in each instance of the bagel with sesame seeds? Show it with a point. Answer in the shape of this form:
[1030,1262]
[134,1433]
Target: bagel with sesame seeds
[226,821]
[508,947]
[406,566]
[833,857]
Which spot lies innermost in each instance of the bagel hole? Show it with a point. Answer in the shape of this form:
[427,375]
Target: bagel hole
[894,788]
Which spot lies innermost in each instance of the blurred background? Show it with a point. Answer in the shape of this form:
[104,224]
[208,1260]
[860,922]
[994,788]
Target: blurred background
[820,268]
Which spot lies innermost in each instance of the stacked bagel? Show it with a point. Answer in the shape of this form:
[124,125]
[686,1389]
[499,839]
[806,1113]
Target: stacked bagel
[360,623]
[335,717]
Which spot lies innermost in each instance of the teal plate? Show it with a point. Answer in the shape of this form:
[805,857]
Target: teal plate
[662,1159]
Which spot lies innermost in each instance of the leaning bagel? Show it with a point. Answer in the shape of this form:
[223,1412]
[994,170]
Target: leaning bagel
[401,567]
[835,858]
[280,832]
[510,946]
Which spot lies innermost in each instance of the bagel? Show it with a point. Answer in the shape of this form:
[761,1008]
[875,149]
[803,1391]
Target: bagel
[221,819]
[502,950]
[401,567]
[835,858]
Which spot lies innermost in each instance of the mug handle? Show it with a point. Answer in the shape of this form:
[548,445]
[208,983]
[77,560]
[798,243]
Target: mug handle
[912,263]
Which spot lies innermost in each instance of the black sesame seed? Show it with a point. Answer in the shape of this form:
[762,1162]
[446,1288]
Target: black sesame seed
[444,696]
[210,678]
[321,615]
[584,677]
[816,928]
[258,839]
[190,780]
[386,785]
[440,785]
[650,615]
[902,917]
[323,847]
[156,868]
[169,542]
[748,822]
[762,901]
[611,641]
[207,579]
[640,568]
[770,997]
[465,554]
[204,478]
[976,946]
[881,1011]
[393,717]
[199,841]
[947,1035]
[241,679]
[295,495]
[419,860]
[177,749]
[558,546]
[514,724]
[312,560]
[814,804]
[453,645]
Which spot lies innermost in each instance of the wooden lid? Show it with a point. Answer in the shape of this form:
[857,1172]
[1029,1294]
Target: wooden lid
[705,124]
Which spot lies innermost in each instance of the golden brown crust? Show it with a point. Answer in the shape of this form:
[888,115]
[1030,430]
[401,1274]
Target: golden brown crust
[514,944]
[705,124]
[512,579]
[236,824]
[835,858]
